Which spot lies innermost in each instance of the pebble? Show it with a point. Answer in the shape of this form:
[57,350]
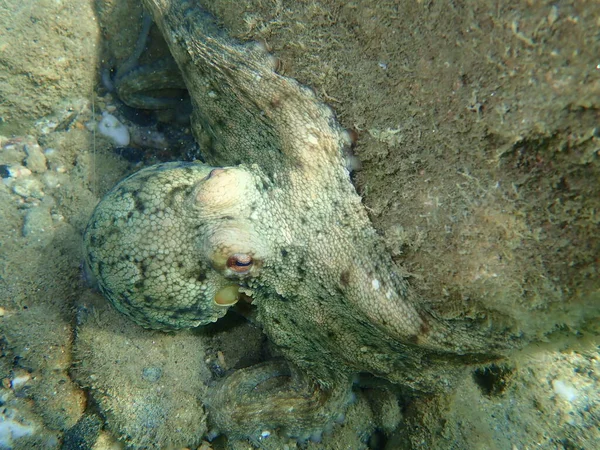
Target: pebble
[28,187]
[15,171]
[112,128]
[19,380]
[35,161]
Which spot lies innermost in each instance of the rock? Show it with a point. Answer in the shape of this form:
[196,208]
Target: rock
[15,171]
[147,385]
[28,187]
[35,161]
[38,225]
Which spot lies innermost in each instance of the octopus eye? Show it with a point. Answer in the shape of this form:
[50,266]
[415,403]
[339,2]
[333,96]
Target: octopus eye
[240,262]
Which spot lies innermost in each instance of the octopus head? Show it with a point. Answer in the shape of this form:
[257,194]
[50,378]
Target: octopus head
[173,245]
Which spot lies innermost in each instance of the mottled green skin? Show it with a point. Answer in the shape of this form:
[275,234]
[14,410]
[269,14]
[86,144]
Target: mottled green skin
[325,290]
[137,86]
[144,243]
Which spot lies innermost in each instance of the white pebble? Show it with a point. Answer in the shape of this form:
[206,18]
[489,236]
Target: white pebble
[110,127]
[565,390]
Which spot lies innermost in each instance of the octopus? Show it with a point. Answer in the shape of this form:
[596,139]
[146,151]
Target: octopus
[271,219]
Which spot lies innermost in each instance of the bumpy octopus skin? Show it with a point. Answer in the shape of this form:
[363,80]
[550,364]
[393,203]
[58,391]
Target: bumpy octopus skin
[275,217]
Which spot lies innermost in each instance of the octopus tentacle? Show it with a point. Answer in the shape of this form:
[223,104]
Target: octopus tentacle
[275,396]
